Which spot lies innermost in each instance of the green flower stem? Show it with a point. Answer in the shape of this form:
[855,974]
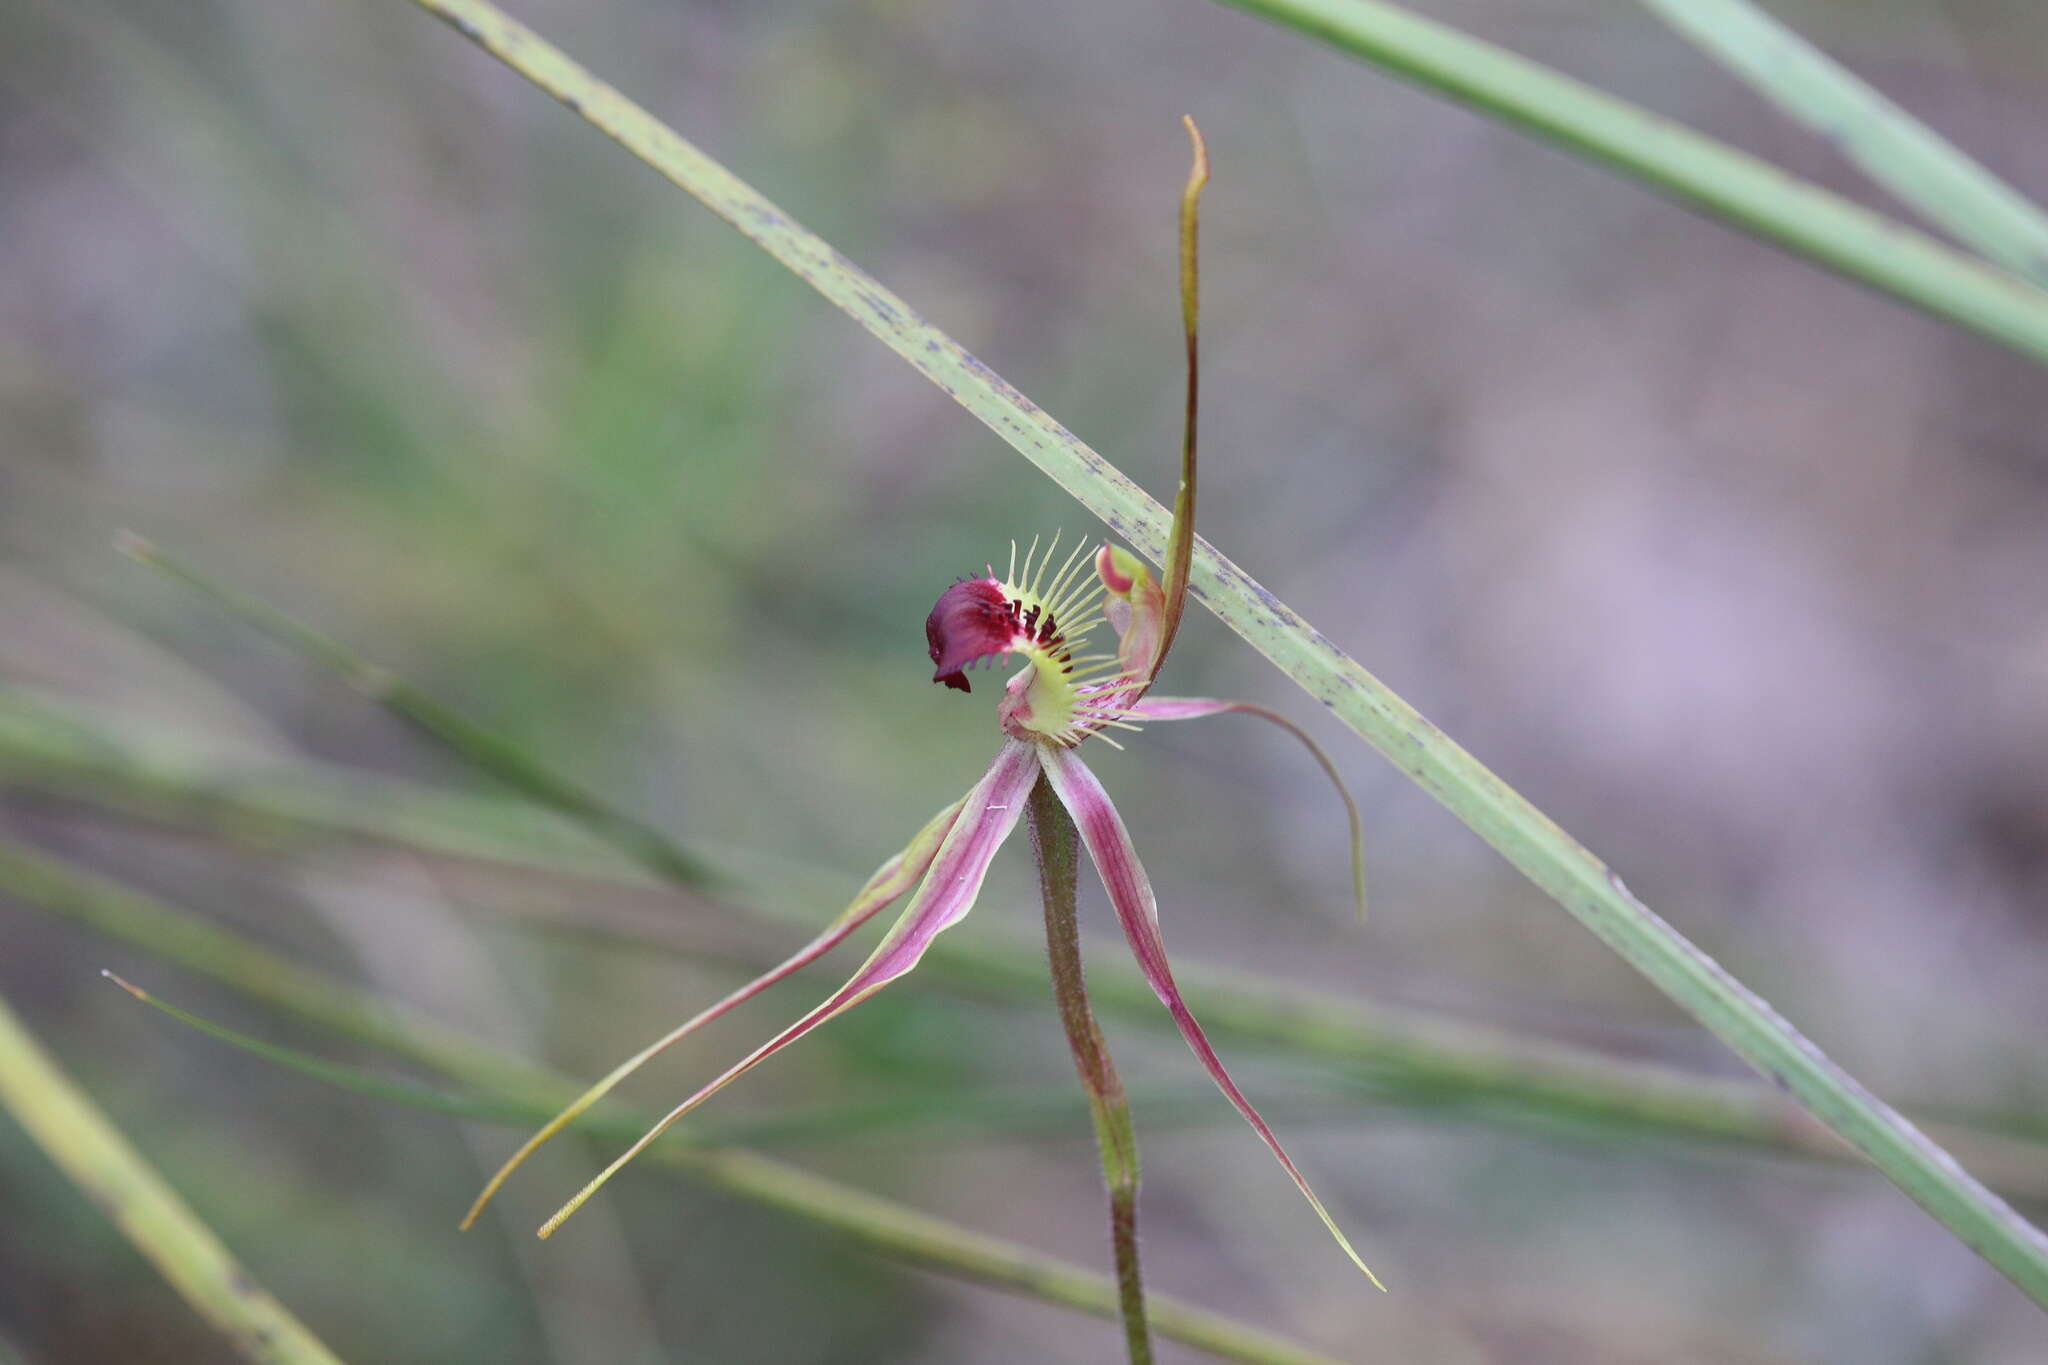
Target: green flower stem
[1056,846]
[1743,191]
[220,954]
[1403,1055]
[1801,218]
[108,1170]
[1919,165]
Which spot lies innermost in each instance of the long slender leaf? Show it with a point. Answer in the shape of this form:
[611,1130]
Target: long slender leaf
[354,1079]
[931,1113]
[489,750]
[1920,166]
[101,1162]
[1547,855]
[72,752]
[1742,190]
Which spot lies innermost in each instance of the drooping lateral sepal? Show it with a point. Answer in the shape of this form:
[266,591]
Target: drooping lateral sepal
[988,813]
[889,882]
[1137,910]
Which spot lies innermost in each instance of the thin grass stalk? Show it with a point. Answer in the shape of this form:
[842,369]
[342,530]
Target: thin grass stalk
[120,761]
[88,1148]
[1403,1055]
[1056,847]
[490,751]
[1922,168]
[937,1112]
[1863,244]
[881,1225]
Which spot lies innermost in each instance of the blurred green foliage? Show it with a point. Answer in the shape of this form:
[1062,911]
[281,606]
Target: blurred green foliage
[319,297]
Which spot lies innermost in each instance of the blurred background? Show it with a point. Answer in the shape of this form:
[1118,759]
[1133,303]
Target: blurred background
[1735,570]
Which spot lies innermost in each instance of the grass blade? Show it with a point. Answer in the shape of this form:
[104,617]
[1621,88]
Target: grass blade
[935,1114]
[1742,190]
[1918,165]
[102,1163]
[484,748]
[1877,251]
[354,1079]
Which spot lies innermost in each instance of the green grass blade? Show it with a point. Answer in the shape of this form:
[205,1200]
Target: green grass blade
[220,954]
[101,757]
[485,748]
[1521,833]
[1407,1055]
[1917,164]
[932,1115]
[102,1163]
[1742,190]
[354,1079]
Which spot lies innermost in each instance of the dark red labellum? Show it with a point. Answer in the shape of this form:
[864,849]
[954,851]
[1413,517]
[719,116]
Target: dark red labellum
[971,622]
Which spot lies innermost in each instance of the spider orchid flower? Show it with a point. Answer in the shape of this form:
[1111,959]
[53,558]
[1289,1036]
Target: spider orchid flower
[1065,694]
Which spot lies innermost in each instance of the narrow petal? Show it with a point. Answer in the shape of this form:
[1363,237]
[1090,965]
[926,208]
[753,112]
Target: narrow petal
[890,881]
[1194,708]
[1130,891]
[987,815]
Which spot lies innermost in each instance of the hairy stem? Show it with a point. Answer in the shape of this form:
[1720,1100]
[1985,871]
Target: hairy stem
[1056,845]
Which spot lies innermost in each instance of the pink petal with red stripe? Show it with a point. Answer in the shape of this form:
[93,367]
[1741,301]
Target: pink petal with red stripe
[1130,892]
[987,816]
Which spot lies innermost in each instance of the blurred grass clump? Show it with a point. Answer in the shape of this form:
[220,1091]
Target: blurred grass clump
[318,296]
